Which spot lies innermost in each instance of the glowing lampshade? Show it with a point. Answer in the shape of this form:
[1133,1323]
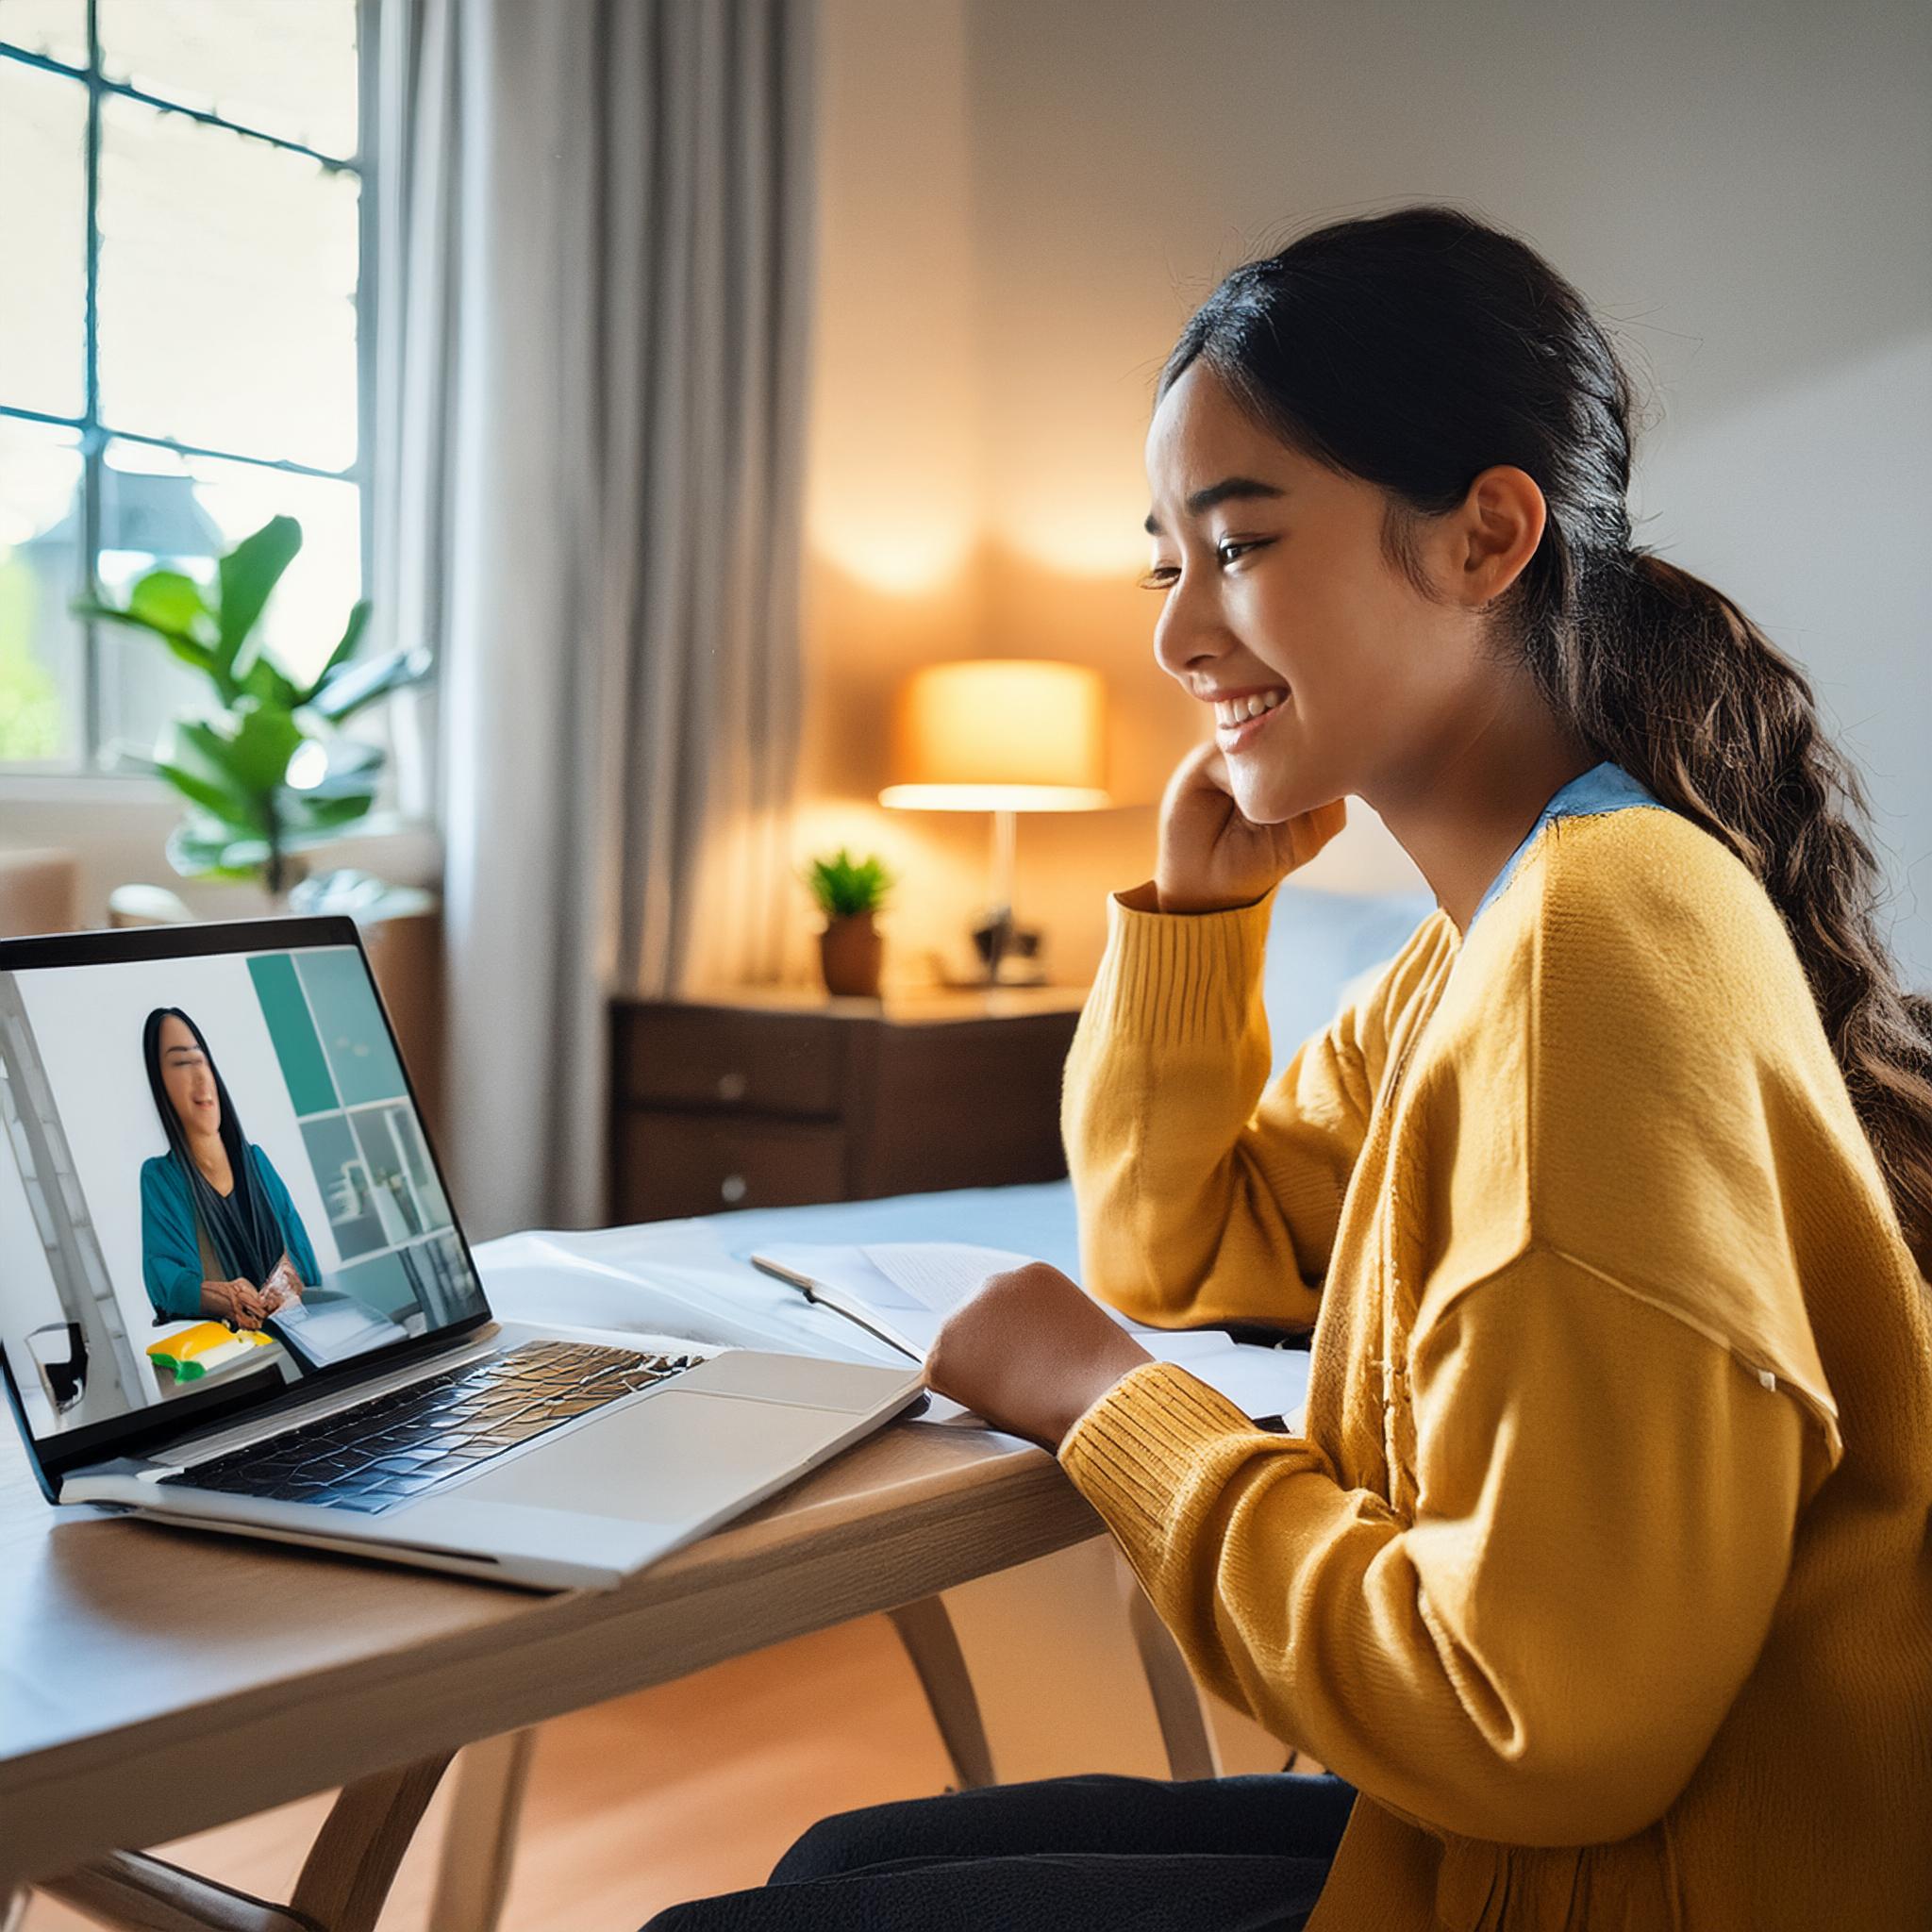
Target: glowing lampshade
[1000,734]
[1003,735]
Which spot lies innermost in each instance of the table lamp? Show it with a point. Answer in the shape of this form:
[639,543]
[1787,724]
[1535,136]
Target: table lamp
[1004,735]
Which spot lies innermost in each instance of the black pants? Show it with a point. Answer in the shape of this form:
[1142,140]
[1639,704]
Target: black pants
[1218,1854]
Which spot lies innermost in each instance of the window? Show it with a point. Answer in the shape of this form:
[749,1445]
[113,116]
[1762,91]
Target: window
[183,227]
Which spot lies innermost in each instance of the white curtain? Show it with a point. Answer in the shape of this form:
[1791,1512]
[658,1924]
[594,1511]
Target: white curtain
[593,297]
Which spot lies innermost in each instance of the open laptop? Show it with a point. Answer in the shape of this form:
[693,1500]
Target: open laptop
[213,1122]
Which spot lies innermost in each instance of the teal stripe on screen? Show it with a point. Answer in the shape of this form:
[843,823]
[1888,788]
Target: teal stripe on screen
[352,1034]
[305,1066]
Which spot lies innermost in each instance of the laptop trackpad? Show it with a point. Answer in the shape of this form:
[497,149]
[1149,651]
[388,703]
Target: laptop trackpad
[678,1455]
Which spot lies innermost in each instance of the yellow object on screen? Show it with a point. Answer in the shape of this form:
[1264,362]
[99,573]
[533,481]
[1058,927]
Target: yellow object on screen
[190,1352]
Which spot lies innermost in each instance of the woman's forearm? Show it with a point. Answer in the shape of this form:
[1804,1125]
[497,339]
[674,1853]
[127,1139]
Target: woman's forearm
[1203,1194]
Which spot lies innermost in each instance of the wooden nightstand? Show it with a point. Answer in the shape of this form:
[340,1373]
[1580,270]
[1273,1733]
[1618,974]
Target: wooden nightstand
[757,1099]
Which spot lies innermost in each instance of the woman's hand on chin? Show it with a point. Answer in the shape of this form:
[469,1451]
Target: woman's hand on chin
[1032,1352]
[1211,858]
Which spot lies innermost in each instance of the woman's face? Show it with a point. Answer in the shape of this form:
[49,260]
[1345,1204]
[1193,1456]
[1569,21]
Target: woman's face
[189,1078]
[1275,588]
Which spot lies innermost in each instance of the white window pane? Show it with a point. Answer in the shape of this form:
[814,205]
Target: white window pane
[56,28]
[43,239]
[304,621]
[228,296]
[149,516]
[40,573]
[160,508]
[295,78]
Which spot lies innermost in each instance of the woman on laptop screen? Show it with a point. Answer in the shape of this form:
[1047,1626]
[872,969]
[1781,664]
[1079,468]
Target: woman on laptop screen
[220,1236]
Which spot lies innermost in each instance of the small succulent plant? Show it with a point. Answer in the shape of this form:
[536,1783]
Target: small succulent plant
[843,886]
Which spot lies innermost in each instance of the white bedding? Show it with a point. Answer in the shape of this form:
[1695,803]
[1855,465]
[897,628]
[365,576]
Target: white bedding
[692,1277]
[695,1277]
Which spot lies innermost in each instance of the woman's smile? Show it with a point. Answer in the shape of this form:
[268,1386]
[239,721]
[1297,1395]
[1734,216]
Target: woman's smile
[1240,721]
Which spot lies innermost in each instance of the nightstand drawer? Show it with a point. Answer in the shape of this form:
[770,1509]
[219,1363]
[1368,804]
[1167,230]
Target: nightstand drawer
[687,1055]
[670,1164]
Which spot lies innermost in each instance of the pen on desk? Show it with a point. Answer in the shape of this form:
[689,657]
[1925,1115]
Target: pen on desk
[808,1288]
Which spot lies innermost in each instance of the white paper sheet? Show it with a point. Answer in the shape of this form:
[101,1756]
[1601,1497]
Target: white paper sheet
[912,1286]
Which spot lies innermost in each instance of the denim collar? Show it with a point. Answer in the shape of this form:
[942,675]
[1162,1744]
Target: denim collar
[1605,787]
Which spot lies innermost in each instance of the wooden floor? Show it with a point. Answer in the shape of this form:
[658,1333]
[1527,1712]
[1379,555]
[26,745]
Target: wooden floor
[693,1788]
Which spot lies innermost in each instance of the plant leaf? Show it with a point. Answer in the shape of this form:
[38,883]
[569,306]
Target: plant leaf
[252,755]
[189,650]
[311,820]
[249,573]
[350,766]
[214,799]
[265,680]
[170,602]
[345,693]
[197,850]
[264,739]
[352,639]
[843,886]
[203,753]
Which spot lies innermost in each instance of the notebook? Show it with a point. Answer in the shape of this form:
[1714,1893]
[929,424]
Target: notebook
[901,1291]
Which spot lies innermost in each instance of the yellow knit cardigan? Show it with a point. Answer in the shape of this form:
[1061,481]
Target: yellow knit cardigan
[1604,1569]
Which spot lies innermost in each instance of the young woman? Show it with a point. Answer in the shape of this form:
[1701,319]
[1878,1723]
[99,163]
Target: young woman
[1602,1571]
[220,1235]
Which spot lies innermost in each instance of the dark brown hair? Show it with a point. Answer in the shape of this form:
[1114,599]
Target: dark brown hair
[1418,348]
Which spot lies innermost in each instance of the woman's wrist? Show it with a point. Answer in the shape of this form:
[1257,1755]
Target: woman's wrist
[1149,897]
[1095,1379]
[1096,1392]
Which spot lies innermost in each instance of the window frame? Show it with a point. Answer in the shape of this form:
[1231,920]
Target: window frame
[89,763]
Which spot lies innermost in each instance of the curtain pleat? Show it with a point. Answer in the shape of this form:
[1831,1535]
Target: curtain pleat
[592,306]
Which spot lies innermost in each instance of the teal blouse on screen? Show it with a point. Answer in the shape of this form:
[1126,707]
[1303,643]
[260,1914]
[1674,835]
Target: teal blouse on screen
[171,1249]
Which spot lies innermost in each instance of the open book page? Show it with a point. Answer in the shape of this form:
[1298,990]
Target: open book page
[903,1291]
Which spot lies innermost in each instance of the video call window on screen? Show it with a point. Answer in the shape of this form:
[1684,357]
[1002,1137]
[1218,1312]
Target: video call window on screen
[213,1172]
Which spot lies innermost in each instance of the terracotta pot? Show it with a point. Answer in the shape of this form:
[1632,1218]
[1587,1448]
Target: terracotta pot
[850,953]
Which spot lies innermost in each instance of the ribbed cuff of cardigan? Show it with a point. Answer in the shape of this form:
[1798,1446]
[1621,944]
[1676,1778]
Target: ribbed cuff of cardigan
[1180,978]
[1134,1451]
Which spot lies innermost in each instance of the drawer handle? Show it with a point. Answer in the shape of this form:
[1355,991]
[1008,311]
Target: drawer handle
[731,1086]
[732,1188]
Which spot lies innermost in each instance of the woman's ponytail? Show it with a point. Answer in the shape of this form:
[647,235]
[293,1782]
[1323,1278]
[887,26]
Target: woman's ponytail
[1669,678]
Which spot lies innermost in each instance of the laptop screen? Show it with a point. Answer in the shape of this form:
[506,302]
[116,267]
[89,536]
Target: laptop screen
[214,1184]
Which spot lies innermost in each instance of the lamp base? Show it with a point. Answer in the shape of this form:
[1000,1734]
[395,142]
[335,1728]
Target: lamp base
[1008,952]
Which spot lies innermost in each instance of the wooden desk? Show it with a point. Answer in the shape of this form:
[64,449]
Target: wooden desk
[157,1682]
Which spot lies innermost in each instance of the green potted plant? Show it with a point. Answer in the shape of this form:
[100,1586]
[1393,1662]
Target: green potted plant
[262,766]
[849,893]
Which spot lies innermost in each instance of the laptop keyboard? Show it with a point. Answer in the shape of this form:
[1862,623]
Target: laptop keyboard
[392,1448]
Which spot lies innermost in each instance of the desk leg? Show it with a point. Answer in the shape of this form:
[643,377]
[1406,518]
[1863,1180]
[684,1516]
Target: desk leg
[927,1631]
[1184,1731]
[479,1840]
[353,1863]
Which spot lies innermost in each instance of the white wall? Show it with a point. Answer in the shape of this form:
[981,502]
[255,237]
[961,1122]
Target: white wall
[1743,188]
